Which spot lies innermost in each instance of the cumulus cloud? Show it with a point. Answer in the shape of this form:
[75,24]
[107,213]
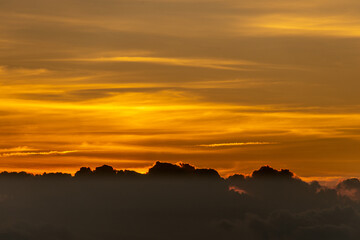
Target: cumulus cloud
[350,188]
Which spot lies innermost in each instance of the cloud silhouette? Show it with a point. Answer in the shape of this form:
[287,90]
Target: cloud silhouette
[174,201]
[350,188]
[182,169]
[268,172]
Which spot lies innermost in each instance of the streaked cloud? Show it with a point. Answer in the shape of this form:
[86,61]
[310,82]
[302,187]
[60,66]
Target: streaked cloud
[34,153]
[235,144]
[16,149]
[186,62]
[282,24]
[13,73]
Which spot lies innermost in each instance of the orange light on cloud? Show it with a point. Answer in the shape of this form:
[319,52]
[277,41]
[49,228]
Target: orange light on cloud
[236,144]
[233,86]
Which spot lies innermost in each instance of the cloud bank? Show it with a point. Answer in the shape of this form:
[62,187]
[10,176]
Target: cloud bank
[177,201]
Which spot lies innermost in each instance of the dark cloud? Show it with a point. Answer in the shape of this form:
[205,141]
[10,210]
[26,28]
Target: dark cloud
[162,169]
[350,188]
[268,172]
[105,171]
[275,205]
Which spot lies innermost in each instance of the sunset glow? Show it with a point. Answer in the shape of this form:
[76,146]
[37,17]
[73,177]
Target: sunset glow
[231,85]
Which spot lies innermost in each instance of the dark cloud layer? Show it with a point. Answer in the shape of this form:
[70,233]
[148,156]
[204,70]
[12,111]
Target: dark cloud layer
[175,202]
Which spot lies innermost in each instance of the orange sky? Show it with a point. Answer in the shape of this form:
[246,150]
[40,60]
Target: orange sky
[228,84]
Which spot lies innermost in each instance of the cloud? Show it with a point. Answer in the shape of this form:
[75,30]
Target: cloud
[236,144]
[282,24]
[8,74]
[350,188]
[27,153]
[162,169]
[108,203]
[186,62]
[16,149]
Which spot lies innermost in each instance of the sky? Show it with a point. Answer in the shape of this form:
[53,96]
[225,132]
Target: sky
[231,85]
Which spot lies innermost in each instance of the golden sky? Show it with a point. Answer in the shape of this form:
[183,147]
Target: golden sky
[226,84]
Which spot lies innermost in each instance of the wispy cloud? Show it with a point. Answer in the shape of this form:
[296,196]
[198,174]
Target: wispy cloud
[31,153]
[235,144]
[280,24]
[225,64]
[16,149]
[13,74]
